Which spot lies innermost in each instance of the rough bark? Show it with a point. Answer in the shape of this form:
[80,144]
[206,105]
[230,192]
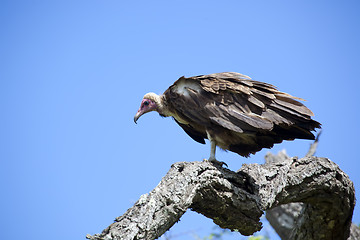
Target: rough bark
[236,200]
[285,217]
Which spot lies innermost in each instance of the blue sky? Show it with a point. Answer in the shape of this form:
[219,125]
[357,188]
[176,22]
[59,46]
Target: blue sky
[73,73]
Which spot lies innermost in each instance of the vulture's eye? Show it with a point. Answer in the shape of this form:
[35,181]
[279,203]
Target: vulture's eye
[146,103]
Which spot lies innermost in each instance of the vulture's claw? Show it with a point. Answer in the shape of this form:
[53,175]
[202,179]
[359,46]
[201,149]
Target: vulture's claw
[216,162]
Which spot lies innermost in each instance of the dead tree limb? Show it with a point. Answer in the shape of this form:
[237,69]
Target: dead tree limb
[287,219]
[284,220]
[313,146]
[292,219]
[236,200]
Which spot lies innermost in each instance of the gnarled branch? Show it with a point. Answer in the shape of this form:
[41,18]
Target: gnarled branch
[284,220]
[236,200]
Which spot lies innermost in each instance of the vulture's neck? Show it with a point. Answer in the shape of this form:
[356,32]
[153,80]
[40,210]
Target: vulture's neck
[162,106]
[164,110]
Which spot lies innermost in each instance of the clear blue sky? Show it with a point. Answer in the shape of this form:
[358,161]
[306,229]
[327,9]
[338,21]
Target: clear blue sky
[72,75]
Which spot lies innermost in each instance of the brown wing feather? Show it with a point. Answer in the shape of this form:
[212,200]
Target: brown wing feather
[247,115]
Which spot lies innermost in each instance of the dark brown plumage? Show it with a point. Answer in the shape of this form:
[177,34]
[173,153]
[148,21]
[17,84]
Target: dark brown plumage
[233,112]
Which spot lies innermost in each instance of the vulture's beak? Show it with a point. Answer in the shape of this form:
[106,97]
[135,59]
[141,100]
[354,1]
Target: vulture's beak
[137,116]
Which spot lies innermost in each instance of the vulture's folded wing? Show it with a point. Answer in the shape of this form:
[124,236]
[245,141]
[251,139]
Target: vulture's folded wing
[237,103]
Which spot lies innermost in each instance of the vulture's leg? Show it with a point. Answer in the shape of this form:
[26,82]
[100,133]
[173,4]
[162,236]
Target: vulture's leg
[212,151]
[212,157]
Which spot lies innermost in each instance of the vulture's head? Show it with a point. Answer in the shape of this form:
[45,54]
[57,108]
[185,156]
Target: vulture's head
[150,102]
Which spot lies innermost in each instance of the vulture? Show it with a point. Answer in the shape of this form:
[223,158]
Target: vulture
[233,112]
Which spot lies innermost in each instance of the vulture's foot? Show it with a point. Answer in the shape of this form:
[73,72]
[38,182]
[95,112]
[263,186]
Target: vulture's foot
[216,162]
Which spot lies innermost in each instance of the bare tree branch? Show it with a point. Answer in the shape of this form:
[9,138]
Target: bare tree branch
[313,146]
[236,200]
[284,220]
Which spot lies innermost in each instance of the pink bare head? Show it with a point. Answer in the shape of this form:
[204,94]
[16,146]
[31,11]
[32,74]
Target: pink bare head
[148,104]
